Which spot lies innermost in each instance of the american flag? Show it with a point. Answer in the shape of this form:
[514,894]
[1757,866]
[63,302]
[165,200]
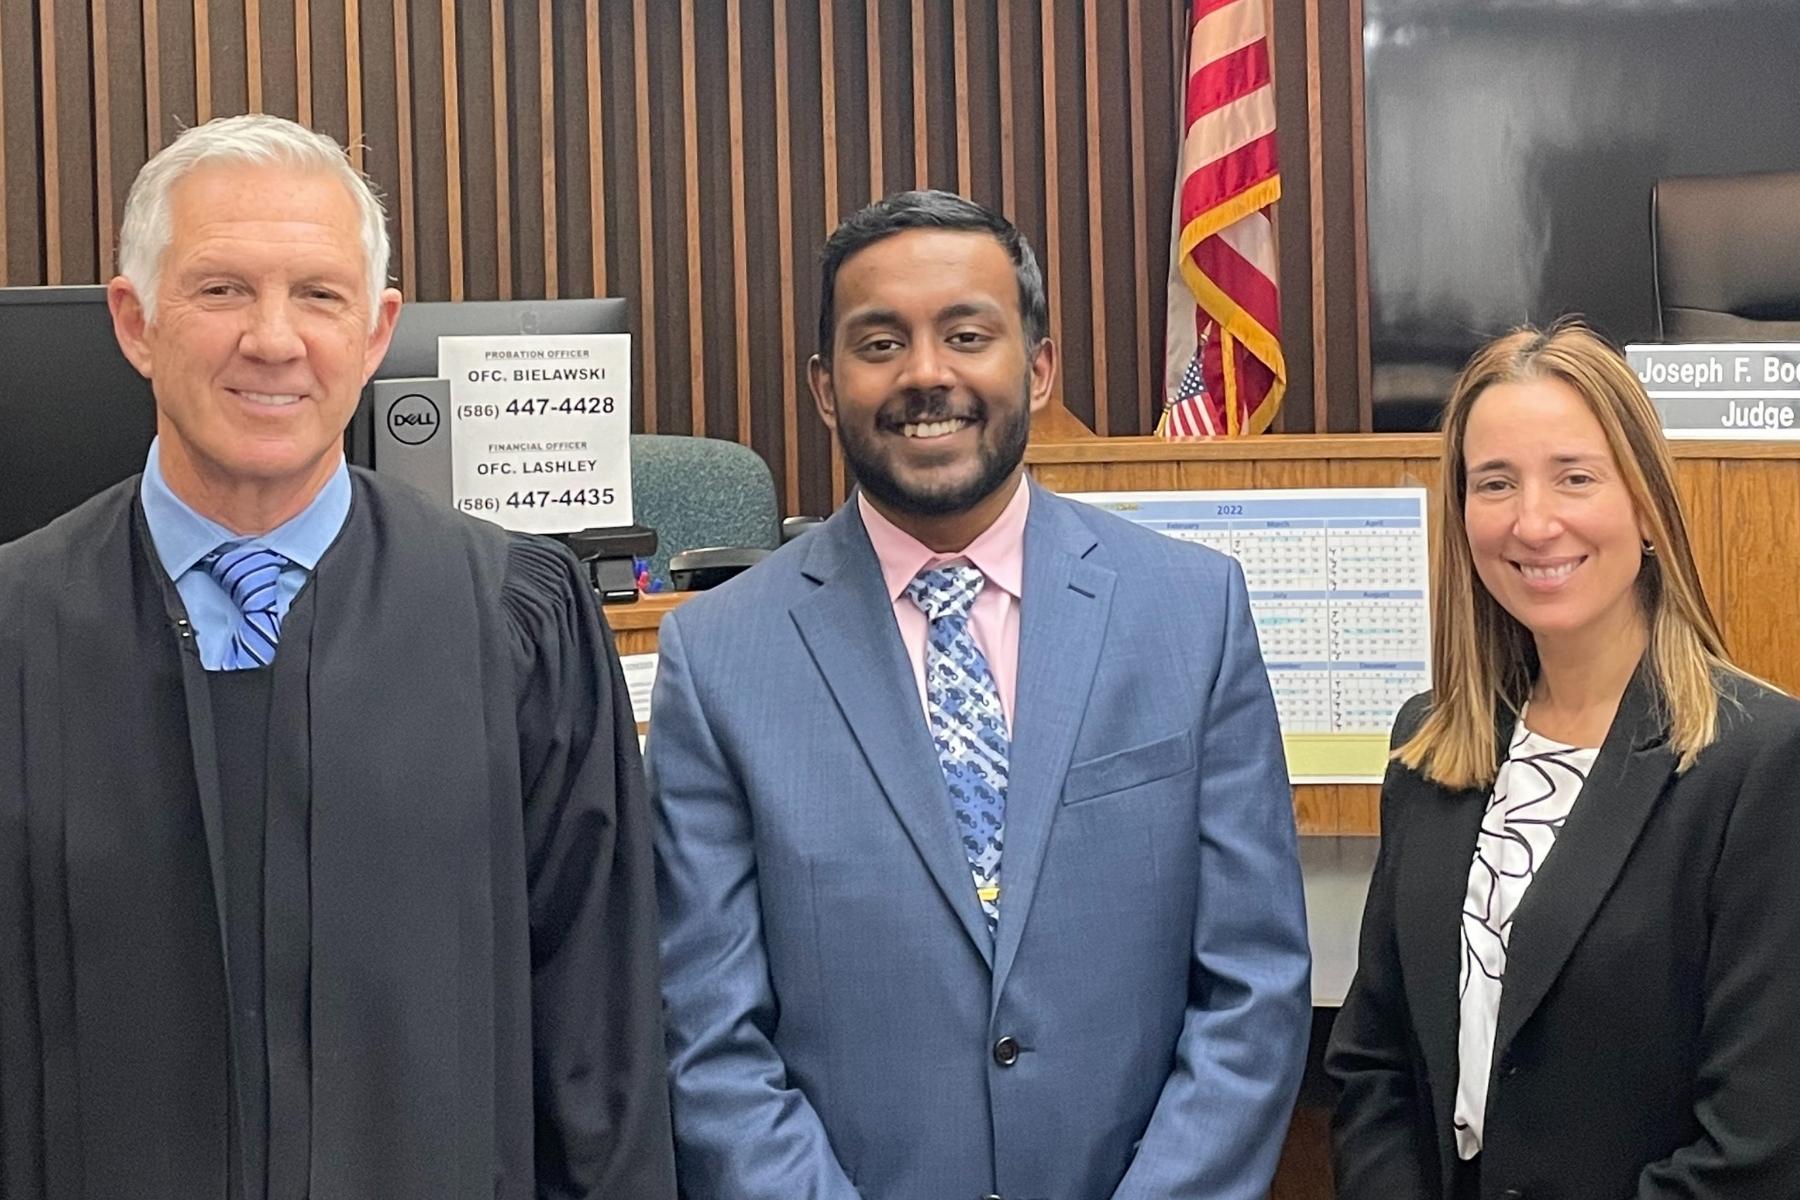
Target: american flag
[1224,295]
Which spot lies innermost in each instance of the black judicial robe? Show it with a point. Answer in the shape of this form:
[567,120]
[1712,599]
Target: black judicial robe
[459,909]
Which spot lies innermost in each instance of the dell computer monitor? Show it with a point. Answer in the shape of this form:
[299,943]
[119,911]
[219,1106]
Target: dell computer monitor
[413,354]
[75,417]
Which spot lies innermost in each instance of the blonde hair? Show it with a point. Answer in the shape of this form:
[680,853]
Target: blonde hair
[1481,656]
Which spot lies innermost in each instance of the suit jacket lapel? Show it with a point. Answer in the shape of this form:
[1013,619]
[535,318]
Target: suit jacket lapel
[1439,844]
[1063,613]
[1628,777]
[848,627]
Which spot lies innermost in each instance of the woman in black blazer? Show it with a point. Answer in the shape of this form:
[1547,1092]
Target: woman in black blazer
[1579,972]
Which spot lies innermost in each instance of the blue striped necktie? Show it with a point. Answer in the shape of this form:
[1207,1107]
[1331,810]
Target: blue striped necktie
[967,722]
[248,573]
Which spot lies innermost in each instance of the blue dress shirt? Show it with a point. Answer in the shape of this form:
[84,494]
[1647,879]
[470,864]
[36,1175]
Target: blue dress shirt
[183,537]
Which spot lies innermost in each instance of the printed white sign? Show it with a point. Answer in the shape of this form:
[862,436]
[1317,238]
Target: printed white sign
[541,429]
[1723,389]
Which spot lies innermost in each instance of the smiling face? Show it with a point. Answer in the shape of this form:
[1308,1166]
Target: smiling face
[1551,526]
[262,338]
[930,386]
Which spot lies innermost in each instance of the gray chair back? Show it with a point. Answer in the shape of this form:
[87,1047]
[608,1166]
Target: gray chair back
[699,493]
[1727,257]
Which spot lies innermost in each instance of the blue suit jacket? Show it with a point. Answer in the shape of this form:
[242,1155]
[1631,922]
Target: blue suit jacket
[833,996]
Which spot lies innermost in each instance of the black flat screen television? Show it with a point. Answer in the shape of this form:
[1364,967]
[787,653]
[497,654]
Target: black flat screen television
[75,417]
[1512,146]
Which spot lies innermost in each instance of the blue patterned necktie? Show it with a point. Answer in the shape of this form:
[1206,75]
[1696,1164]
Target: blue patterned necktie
[967,722]
[248,573]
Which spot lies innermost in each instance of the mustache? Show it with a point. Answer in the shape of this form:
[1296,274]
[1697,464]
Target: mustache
[915,408]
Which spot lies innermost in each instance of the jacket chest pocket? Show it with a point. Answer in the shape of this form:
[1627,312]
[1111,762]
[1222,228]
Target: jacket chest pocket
[1129,769]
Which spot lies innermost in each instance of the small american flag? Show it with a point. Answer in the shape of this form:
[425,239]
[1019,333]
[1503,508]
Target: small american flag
[1188,414]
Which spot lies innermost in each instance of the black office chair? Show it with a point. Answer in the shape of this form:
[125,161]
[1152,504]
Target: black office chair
[1726,257]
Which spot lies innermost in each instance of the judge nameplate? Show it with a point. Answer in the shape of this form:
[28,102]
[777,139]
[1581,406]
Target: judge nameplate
[1723,390]
[541,429]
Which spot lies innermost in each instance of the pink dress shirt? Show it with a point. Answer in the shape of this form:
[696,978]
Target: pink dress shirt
[998,552]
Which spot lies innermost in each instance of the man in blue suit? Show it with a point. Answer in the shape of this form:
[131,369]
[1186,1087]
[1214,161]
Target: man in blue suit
[976,849]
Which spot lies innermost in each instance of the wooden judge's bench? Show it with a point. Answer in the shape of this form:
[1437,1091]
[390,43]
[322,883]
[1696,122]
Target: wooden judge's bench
[1742,501]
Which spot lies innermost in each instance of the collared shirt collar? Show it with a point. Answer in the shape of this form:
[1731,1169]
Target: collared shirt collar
[998,552]
[183,537]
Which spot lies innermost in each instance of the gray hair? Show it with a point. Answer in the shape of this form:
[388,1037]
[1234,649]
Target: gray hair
[252,139]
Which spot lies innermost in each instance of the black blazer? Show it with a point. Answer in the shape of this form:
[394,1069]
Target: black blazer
[1648,1040]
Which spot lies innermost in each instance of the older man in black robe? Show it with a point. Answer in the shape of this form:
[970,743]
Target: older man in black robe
[324,855]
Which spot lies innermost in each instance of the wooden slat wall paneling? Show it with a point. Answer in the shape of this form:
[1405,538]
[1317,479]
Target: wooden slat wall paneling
[5,188]
[75,150]
[522,103]
[203,103]
[921,122]
[834,184]
[872,59]
[671,279]
[718,251]
[353,81]
[1096,214]
[740,272]
[179,73]
[1336,258]
[593,35]
[50,174]
[430,151]
[502,142]
[1315,172]
[226,40]
[323,80]
[770,282]
[690,144]
[571,188]
[481,116]
[1003,57]
[403,152]
[151,26]
[453,180]
[275,70]
[303,62]
[100,45]
[380,118]
[1148,379]
[810,119]
[1359,207]
[1294,112]
[253,53]
[546,100]
[118,119]
[1052,184]
[964,168]
[788,279]
[691,157]
[899,58]
[978,103]
[644,311]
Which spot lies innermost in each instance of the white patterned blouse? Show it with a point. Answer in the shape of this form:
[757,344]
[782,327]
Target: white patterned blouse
[1533,794]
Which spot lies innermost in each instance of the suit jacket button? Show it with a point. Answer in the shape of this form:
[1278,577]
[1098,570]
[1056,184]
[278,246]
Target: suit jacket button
[992,1196]
[1006,1053]
[1512,1194]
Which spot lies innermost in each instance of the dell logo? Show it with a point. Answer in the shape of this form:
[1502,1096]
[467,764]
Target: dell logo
[413,419]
